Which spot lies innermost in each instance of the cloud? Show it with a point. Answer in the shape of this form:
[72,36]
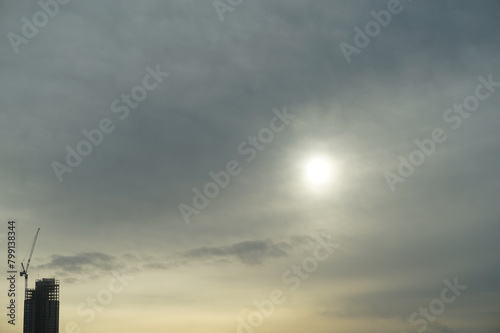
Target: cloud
[155,264]
[248,252]
[438,327]
[97,264]
[82,263]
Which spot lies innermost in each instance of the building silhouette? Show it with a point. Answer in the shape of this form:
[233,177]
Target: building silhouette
[41,307]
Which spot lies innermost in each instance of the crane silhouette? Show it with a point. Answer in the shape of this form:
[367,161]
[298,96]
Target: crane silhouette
[24,272]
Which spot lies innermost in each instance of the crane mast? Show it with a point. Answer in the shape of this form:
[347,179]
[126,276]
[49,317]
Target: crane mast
[24,272]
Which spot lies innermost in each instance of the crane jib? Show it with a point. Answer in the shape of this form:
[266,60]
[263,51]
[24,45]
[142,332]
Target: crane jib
[24,272]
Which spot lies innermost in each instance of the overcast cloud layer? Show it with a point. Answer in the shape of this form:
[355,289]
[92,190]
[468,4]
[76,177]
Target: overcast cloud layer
[118,208]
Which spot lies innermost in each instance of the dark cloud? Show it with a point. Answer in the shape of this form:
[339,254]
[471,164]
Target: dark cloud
[155,264]
[82,263]
[248,252]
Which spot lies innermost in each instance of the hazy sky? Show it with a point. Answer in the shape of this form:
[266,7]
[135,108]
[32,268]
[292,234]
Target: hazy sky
[172,92]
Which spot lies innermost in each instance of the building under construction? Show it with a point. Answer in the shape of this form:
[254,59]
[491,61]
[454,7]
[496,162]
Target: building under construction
[41,307]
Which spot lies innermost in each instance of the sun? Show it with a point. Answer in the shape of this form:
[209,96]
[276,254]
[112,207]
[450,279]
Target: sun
[319,171]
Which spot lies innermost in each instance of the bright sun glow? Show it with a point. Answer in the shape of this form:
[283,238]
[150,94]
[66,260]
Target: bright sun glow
[319,171]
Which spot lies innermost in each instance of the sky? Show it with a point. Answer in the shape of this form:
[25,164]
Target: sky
[254,166]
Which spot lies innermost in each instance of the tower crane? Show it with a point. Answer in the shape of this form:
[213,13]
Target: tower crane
[24,272]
